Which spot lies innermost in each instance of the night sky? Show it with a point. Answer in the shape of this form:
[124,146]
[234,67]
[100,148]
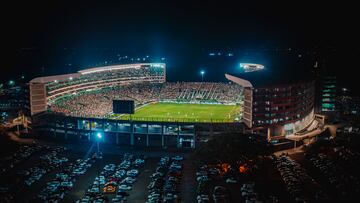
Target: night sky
[43,39]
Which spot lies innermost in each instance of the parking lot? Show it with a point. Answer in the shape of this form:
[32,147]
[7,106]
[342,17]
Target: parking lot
[56,173]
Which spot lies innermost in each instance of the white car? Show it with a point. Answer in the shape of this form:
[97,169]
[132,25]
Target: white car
[203,198]
[125,187]
[129,180]
[132,173]
[231,180]
[139,161]
[177,158]
[202,178]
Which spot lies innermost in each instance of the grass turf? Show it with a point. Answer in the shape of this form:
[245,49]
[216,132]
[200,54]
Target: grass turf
[184,112]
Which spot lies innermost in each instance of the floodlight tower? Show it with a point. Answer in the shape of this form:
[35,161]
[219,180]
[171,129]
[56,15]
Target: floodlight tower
[99,137]
[202,75]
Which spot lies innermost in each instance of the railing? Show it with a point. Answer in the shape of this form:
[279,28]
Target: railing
[149,119]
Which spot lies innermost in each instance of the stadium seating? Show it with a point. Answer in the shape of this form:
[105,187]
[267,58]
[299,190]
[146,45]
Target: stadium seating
[98,103]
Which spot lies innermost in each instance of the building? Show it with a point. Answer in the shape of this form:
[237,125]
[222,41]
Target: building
[45,90]
[276,104]
[328,94]
[15,99]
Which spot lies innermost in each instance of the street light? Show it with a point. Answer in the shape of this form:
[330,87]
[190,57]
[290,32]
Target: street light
[202,75]
[99,136]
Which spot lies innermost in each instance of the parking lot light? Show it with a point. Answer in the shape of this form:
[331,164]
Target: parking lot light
[99,136]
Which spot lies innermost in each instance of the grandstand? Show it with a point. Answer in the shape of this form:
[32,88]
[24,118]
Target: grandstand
[98,103]
[47,90]
[89,93]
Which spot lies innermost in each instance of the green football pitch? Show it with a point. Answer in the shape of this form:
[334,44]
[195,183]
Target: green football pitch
[181,112]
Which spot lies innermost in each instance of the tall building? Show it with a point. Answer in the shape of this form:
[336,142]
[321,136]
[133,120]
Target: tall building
[328,94]
[276,102]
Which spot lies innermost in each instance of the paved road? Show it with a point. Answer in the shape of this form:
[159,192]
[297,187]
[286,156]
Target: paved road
[188,183]
[139,192]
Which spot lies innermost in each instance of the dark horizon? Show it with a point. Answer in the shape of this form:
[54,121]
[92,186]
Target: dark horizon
[44,40]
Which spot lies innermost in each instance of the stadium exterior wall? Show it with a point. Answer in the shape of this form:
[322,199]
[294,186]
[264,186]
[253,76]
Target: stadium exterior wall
[279,109]
[121,132]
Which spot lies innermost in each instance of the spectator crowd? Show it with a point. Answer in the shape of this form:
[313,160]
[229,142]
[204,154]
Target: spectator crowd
[98,103]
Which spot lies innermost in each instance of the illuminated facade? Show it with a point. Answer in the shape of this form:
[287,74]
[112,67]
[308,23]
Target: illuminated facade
[276,109]
[46,90]
[328,93]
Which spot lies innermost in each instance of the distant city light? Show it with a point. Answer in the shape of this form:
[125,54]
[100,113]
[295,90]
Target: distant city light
[211,54]
[230,54]
[11,82]
[22,77]
[219,53]
[71,78]
[344,89]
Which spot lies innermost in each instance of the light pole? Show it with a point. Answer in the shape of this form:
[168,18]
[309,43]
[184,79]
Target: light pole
[99,136]
[202,75]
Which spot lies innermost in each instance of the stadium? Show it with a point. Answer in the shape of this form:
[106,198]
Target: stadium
[79,105]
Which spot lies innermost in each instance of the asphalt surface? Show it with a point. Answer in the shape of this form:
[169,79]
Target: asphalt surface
[111,154]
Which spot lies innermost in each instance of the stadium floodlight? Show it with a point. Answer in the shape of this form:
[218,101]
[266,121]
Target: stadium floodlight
[202,75]
[250,67]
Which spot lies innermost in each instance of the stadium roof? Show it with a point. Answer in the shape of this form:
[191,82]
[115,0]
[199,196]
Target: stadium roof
[118,67]
[47,79]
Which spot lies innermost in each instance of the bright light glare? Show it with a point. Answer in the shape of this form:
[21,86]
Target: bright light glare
[202,72]
[250,67]
[99,135]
